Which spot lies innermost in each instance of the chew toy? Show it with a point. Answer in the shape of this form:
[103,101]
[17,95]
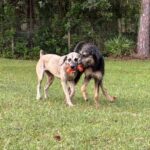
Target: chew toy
[69,70]
[80,68]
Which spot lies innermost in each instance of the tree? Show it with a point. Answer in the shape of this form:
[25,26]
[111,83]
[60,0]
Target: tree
[30,20]
[26,26]
[126,14]
[7,26]
[143,44]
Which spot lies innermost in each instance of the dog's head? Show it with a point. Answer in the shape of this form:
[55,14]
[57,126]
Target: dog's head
[89,55]
[73,59]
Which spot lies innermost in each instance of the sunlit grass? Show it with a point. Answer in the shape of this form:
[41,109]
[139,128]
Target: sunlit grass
[26,123]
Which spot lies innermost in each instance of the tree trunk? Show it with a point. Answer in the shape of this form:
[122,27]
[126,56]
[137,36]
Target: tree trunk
[119,26]
[69,40]
[143,44]
[30,17]
[1,24]
[12,46]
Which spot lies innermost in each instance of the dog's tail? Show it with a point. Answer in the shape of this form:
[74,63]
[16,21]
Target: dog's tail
[79,46]
[41,53]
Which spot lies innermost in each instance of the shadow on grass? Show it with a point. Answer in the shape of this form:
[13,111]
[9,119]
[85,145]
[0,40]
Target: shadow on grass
[122,103]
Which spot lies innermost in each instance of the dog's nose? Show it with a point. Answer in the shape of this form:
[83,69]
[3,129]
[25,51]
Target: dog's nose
[73,66]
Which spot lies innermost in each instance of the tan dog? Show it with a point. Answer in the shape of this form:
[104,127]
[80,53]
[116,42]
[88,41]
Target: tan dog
[55,66]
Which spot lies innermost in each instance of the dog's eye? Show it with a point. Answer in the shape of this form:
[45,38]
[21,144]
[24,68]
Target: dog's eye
[84,55]
[69,59]
[76,59]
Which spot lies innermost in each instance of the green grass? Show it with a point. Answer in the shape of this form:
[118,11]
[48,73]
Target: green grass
[26,123]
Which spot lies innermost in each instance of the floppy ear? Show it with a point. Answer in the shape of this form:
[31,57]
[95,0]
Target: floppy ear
[62,60]
[96,55]
[80,59]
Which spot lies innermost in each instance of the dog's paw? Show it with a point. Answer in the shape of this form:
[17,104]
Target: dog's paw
[97,105]
[86,100]
[46,97]
[38,98]
[112,99]
[70,104]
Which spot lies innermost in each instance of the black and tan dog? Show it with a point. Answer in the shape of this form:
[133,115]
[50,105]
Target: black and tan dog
[93,63]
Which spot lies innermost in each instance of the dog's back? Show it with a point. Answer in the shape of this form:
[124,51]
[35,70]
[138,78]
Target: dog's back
[49,62]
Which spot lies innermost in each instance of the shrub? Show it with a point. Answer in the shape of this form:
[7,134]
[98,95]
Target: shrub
[21,50]
[7,53]
[35,52]
[119,46]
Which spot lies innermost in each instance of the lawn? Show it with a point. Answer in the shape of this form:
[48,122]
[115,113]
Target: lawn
[26,123]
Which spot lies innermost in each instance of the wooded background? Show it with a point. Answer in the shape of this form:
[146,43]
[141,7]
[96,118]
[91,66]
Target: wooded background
[26,26]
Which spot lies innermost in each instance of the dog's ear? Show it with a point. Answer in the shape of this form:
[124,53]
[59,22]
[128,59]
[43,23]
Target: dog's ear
[96,55]
[79,46]
[62,60]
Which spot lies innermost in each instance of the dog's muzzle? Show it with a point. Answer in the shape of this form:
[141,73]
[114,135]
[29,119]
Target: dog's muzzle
[73,68]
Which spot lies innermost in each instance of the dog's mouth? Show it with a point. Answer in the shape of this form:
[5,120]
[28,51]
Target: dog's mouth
[72,69]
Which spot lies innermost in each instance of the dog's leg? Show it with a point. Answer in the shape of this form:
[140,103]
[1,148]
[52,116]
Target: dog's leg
[71,89]
[38,96]
[110,98]
[65,88]
[84,86]
[40,77]
[96,92]
[50,79]
[40,74]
